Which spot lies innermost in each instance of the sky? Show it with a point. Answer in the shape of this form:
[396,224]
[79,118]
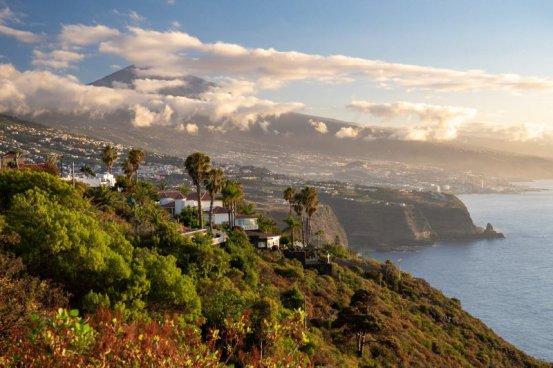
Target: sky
[433,68]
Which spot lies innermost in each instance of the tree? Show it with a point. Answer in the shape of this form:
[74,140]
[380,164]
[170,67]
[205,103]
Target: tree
[289,195]
[135,158]
[299,208]
[109,156]
[293,226]
[232,192]
[128,169]
[311,204]
[359,319]
[17,153]
[87,171]
[214,185]
[198,165]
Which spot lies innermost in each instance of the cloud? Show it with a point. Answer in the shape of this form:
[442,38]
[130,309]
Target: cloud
[154,85]
[177,53]
[347,132]
[36,92]
[7,16]
[175,24]
[143,117]
[435,122]
[81,35]
[57,59]
[190,128]
[131,14]
[523,132]
[319,126]
[170,2]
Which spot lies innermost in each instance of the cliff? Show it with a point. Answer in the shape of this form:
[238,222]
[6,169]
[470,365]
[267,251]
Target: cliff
[324,219]
[385,218]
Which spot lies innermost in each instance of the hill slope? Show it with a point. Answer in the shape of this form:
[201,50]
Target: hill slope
[109,252]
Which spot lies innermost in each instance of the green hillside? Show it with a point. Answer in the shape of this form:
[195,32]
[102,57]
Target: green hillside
[97,277]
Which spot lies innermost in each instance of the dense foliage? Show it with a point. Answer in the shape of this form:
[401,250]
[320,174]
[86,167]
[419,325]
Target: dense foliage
[97,277]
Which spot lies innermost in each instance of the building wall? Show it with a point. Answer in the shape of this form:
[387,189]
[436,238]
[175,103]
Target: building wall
[220,218]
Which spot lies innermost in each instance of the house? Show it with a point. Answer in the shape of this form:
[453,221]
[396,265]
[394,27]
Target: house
[246,222]
[175,202]
[191,200]
[221,217]
[100,180]
[264,240]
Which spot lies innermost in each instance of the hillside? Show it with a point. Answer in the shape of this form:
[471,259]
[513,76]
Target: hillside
[128,270]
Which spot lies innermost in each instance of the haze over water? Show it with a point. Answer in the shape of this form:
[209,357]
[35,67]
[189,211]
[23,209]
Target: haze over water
[507,283]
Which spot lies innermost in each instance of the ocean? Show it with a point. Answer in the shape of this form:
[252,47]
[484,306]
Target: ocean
[506,283]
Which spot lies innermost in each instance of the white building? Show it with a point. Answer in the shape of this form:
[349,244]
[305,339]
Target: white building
[102,180]
[175,202]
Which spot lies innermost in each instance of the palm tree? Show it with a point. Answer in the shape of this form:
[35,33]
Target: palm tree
[293,225]
[299,208]
[198,165]
[135,158]
[289,194]
[127,168]
[311,206]
[109,156]
[311,203]
[232,193]
[213,184]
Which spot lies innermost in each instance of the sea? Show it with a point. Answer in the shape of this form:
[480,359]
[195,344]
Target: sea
[506,283]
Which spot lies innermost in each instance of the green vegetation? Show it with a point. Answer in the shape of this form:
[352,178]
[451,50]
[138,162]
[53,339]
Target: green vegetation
[96,277]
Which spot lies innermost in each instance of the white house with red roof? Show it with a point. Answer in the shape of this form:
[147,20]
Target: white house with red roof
[174,201]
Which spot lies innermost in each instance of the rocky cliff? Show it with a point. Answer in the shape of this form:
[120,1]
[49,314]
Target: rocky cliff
[324,219]
[384,218]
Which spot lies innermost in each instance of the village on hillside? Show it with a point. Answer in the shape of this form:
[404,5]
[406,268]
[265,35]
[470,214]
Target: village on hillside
[215,206]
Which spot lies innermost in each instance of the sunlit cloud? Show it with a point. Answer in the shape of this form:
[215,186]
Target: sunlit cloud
[347,132]
[434,122]
[80,35]
[36,92]
[174,53]
[57,59]
[319,126]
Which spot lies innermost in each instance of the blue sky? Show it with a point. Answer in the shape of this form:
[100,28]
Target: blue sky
[497,37]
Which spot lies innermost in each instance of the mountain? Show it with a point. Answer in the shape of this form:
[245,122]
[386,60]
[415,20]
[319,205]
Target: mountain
[191,86]
[290,144]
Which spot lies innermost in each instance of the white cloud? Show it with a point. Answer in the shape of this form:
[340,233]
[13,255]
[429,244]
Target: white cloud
[170,2]
[319,126]
[57,59]
[435,122]
[23,36]
[38,91]
[192,128]
[143,117]
[134,16]
[154,85]
[347,132]
[80,35]
[175,24]
[177,53]
[7,16]
[523,132]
